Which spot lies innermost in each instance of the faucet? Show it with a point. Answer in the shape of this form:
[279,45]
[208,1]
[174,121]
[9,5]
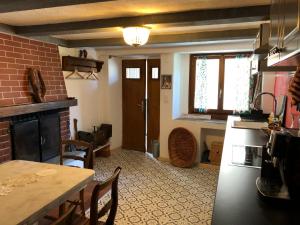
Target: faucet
[265,93]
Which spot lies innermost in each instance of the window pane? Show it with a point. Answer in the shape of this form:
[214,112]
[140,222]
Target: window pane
[133,73]
[236,84]
[155,73]
[206,84]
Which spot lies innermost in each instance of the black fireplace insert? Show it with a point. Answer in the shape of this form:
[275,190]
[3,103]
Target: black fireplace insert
[36,137]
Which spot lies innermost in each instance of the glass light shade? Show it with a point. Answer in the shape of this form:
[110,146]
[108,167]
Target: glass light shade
[136,36]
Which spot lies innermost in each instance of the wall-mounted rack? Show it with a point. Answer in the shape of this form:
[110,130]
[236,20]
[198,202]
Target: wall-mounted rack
[77,64]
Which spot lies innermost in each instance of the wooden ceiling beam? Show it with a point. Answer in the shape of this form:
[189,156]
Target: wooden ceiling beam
[22,5]
[227,35]
[197,17]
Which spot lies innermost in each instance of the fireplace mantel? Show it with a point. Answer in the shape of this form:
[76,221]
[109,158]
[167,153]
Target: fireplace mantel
[16,110]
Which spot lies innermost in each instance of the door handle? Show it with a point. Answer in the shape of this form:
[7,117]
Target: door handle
[142,105]
[220,93]
[43,140]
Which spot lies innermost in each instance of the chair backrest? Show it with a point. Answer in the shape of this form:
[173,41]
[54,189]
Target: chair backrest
[111,205]
[66,218]
[87,159]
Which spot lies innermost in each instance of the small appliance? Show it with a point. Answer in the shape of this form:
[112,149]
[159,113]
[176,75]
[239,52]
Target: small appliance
[280,172]
[246,156]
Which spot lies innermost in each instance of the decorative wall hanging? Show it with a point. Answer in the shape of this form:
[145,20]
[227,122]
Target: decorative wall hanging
[166,82]
[37,85]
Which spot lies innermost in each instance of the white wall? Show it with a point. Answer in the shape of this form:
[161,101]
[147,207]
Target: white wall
[181,82]
[88,112]
[114,100]
[101,101]
[98,100]
[184,82]
[169,63]
[175,71]
[175,62]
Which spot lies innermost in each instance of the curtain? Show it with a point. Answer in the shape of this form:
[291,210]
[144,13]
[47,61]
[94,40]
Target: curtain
[236,86]
[255,88]
[240,82]
[201,85]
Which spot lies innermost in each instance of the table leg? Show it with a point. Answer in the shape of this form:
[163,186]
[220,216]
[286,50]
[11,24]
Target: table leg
[62,209]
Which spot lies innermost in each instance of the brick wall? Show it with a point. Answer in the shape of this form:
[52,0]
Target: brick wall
[16,55]
[65,124]
[5,145]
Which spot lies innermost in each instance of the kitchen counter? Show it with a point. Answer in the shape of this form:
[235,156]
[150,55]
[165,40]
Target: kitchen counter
[237,201]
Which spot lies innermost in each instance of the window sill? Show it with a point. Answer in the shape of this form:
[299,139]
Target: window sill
[199,117]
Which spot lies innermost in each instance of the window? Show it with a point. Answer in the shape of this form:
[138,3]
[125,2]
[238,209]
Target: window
[133,73]
[219,84]
[155,73]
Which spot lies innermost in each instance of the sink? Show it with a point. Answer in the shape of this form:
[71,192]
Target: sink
[249,124]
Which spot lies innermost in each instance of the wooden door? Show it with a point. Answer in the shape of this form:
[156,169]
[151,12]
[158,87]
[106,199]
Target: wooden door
[134,85]
[153,116]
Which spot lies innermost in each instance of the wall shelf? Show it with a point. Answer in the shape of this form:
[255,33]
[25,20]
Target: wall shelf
[70,63]
[8,111]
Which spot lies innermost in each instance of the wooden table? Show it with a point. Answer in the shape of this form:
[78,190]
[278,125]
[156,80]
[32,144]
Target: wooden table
[46,186]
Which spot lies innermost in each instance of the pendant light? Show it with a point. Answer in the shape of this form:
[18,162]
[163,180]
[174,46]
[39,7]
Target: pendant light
[136,36]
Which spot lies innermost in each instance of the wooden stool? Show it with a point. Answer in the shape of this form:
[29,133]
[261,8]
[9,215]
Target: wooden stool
[102,151]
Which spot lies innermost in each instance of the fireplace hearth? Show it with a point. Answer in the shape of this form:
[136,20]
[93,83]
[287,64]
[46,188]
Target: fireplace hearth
[36,137]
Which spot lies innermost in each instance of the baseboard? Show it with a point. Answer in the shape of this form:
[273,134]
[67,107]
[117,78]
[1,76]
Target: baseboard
[163,159]
[116,148]
[208,166]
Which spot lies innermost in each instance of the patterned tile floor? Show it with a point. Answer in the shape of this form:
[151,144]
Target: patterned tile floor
[154,192]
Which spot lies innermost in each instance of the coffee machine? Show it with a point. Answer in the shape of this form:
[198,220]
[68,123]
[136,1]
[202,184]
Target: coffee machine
[280,172]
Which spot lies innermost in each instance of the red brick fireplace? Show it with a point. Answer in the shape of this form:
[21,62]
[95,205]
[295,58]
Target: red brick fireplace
[16,55]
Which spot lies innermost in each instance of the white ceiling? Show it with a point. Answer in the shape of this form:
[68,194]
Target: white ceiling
[119,8]
[123,8]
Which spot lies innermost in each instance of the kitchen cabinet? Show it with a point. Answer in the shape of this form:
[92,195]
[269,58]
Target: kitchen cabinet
[237,201]
[284,33]
[261,48]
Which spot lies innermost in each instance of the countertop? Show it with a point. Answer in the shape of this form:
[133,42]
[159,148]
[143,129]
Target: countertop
[237,201]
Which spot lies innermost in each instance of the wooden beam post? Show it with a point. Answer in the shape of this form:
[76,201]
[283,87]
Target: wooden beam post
[197,17]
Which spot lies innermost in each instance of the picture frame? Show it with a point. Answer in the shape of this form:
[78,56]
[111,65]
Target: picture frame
[166,81]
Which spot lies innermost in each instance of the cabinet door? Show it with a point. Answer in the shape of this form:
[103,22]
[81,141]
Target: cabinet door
[276,22]
[291,27]
[291,19]
[50,135]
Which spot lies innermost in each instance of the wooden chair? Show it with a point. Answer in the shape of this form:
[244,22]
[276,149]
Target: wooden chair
[67,217]
[111,206]
[86,159]
[82,146]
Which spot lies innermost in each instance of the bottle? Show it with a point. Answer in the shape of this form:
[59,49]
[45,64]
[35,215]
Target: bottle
[271,118]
